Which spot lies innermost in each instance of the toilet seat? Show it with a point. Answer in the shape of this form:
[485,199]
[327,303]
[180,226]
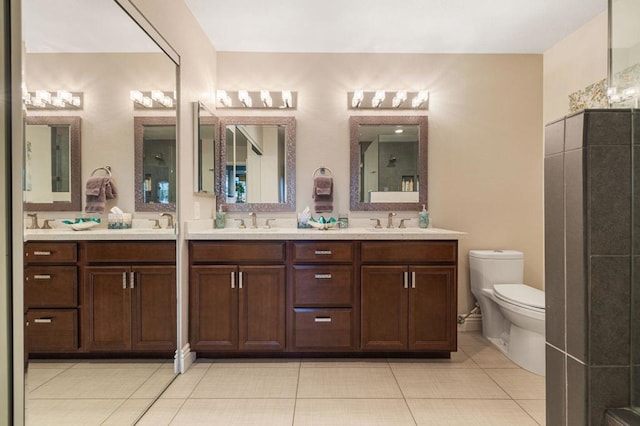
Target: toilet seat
[521,295]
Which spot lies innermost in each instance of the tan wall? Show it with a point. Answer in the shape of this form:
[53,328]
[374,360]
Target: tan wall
[485,136]
[574,63]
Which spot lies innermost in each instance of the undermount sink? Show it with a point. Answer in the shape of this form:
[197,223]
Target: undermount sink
[239,230]
[398,230]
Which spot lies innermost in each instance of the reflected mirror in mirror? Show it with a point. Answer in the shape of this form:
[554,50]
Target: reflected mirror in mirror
[155,158]
[205,131]
[257,167]
[52,164]
[388,163]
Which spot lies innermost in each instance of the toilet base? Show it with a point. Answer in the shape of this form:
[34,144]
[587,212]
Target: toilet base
[525,348]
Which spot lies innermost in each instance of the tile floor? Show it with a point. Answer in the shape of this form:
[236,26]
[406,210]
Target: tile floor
[477,386]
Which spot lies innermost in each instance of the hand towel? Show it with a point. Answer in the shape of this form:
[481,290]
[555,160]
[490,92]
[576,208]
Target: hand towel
[94,185]
[110,191]
[95,194]
[323,194]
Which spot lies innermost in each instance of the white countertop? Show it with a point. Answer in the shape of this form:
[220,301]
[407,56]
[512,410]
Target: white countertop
[66,234]
[198,231]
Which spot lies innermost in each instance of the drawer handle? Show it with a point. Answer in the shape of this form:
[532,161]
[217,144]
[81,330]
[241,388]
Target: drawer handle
[413,279]
[43,320]
[132,279]
[406,279]
[233,279]
[42,277]
[42,253]
[124,280]
[240,279]
[323,319]
[322,276]
[323,252]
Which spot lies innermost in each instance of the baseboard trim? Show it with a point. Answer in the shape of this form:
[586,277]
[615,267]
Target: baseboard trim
[472,323]
[184,359]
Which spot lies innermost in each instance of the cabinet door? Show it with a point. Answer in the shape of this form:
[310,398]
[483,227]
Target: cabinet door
[213,308]
[153,308]
[262,308]
[432,310]
[384,308]
[107,307]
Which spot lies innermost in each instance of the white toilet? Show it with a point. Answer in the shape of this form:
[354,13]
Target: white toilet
[512,312]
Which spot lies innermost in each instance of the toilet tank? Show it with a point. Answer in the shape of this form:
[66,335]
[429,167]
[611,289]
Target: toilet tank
[489,267]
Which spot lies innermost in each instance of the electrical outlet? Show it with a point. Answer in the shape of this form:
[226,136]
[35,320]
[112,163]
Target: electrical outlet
[196,210]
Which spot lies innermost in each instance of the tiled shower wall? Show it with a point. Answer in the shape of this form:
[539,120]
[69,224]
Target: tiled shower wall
[589,255]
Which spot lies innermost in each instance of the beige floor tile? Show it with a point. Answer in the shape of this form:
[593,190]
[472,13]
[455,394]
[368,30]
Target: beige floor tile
[161,412]
[121,363]
[519,383]
[465,412]
[536,409]
[488,357]
[352,412]
[128,412]
[472,338]
[261,363]
[236,412]
[93,383]
[184,384]
[341,382]
[344,362]
[156,384]
[39,376]
[46,363]
[458,359]
[70,412]
[447,383]
[247,382]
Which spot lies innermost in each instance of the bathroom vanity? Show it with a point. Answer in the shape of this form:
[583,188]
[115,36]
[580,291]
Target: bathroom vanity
[100,292]
[347,291]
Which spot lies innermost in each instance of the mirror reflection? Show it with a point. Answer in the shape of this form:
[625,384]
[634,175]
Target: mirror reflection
[388,163]
[205,130]
[52,163]
[155,152]
[257,170]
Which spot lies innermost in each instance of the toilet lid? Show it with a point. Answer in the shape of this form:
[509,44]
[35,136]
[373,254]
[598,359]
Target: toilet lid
[520,294]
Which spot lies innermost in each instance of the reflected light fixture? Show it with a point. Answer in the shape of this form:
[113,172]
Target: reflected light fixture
[255,99]
[60,99]
[265,97]
[154,99]
[244,98]
[378,99]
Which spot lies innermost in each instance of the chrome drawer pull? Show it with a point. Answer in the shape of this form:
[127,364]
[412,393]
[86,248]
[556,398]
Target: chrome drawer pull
[43,320]
[42,253]
[317,252]
[233,279]
[413,279]
[41,277]
[132,279]
[322,276]
[406,279]
[240,279]
[124,280]
[323,319]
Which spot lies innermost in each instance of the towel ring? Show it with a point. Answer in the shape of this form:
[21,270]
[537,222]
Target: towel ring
[323,171]
[105,168]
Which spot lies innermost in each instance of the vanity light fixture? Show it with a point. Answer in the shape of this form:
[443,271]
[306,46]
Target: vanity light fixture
[60,99]
[378,99]
[256,99]
[154,99]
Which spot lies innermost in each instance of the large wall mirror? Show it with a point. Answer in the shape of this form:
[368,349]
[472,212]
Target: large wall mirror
[155,159]
[51,180]
[388,162]
[256,171]
[205,131]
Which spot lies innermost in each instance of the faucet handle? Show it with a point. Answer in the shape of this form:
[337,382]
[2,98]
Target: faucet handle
[34,221]
[46,224]
[156,224]
[267,225]
[242,225]
[402,225]
[377,225]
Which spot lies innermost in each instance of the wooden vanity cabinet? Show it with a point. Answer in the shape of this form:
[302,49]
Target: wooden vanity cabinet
[237,296]
[322,293]
[51,297]
[129,296]
[408,296]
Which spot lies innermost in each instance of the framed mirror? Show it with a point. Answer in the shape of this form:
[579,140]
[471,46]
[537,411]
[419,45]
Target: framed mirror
[205,131]
[256,167]
[51,180]
[155,164]
[388,162]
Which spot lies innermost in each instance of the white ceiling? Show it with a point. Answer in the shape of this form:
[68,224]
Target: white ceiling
[387,26]
[402,26]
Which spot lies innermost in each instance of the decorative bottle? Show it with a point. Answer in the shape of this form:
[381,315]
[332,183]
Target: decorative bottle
[423,218]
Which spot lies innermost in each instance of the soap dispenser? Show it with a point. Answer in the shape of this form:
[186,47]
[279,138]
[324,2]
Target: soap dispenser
[423,218]
[220,220]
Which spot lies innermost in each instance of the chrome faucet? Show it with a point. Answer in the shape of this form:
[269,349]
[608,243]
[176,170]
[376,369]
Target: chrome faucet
[34,221]
[169,220]
[254,220]
[390,220]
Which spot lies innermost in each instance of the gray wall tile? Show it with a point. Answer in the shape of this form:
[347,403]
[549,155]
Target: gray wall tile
[608,127]
[610,283]
[554,249]
[573,132]
[608,388]
[636,127]
[636,197]
[554,138]
[555,386]
[635,314]
[577,396]
[609,183]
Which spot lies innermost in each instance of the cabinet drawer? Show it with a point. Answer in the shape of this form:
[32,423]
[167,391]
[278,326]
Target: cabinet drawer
[51,286]
[130,252]
[323,329]
[50,253]
[409,251]
[238,252]
[52,330]
[322,252]
[323,286]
